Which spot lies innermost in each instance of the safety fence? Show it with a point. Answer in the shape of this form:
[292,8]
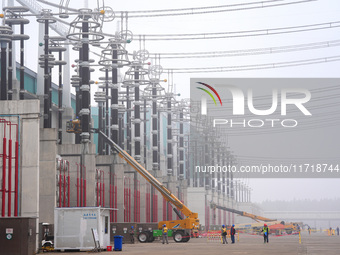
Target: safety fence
[214,236]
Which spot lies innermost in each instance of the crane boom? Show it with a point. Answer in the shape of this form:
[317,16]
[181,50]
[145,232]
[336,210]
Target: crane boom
[245,214]
[152,180]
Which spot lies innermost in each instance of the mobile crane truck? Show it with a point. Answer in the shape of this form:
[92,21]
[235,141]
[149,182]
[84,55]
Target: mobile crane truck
[288,228]
[180,229]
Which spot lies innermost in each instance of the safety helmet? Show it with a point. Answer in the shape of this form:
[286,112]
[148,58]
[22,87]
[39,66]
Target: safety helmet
[265,225]
[222,226]
[131,226]
[164,225]
[233,225]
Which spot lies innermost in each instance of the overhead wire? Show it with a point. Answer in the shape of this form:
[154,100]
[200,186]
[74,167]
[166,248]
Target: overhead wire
[245,33]
[246,52]
[214,9]
[255,66]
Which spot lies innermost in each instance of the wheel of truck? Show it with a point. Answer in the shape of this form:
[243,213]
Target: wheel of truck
[151,237]
[178,236]
[187,238]
[143,237]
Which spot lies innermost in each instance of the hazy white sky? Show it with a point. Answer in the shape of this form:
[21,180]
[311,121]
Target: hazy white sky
[315,12]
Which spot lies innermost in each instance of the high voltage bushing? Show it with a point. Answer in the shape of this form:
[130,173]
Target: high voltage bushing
[5,37]
[115,56]
[100,98]
[135,76]
[146,107]
[156,93]
[75,82]
[126,98]
[169,103]
[183,109]
[104,84]
[56,47]
[47,18]
[121,130]
[13,16]
[84,30]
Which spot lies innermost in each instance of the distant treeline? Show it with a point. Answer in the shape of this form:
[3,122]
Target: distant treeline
[301,205]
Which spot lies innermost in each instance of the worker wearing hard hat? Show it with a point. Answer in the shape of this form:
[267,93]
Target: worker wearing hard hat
[224,234]
[232,233]
[132,234]
[265,231]
[165,234]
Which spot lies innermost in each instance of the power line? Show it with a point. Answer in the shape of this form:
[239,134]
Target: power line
[259,51]
[213,9]
[235,34]
[254,67]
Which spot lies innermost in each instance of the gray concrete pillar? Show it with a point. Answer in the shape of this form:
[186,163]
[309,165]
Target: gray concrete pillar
[47,174]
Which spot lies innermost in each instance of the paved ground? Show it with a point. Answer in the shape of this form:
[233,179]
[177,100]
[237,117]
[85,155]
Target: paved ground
[316,244]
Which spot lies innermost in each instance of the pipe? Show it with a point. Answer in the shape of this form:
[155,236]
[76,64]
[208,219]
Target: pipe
[81,186]
[138,201]
[3,177]
[16,197]
[124,200]
[100,187]
[10,176]
[135,203]
[103,205]
[85,187]
[60,183]
[64,162]
[97,184]
[110,197]
[68,184]
[115,180]
[77,185]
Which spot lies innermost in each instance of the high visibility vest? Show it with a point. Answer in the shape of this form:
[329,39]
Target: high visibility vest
[265,229]
[224,230]
[165,230]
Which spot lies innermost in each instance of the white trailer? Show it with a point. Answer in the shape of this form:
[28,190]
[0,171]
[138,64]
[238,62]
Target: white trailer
[73,228]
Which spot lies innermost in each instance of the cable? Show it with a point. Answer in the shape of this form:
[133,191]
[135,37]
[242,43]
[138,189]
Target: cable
[235,34]
[58,6]
[259,51]
[212,9]
[254,67]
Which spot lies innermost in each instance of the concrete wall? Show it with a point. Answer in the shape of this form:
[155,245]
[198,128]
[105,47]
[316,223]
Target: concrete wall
[196,202]
[26,113]
[72,153]
[196,198]
[47,176]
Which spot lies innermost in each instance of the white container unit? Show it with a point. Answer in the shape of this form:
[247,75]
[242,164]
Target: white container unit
[73,227]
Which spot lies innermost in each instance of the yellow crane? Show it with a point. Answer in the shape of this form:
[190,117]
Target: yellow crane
[245,214]
[181,229]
